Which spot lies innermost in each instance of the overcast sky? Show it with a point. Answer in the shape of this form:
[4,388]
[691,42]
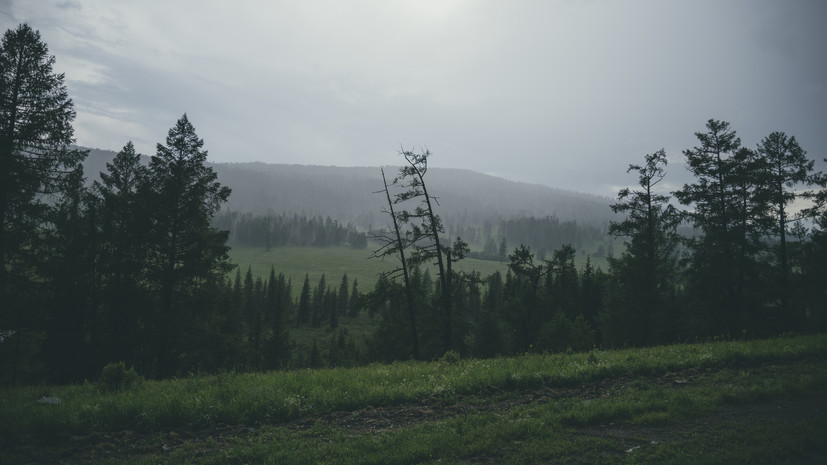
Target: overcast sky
[563,93]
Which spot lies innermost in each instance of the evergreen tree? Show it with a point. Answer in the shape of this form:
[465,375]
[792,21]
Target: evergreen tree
[646,271]
[256,327]
[562,282]
[426,228]
[355,301]
[305,306]
[489,336]
[123,243]
[521,292]
[787,168]
[248,310]
[342,298]
[70,263]
[391,340]
[331,308]
[592,291]
[237,293]
[814,258]
[717,269]
[395,245]
[36,117]
[187,252]
[276,309]
[318,312]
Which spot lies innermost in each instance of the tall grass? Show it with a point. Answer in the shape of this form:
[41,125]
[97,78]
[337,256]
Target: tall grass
[271,398]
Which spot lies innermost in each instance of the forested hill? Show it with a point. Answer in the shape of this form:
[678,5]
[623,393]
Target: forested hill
[349,193]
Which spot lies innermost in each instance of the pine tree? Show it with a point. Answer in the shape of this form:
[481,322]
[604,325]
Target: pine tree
[646,271]
[187,252]
[424,236]
[355,299]
[521,296]
[395,244]
[331,308]
[787,168]
[562,282]
[276,313]
[36,117]
[305,306]
[123,244]
[489,335]
[717,269]
[248,310]
[318,312]
[70,264]
[814,257]
[342,299]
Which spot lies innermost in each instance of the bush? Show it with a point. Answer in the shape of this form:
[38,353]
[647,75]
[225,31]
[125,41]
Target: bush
[117,377]
[451,356]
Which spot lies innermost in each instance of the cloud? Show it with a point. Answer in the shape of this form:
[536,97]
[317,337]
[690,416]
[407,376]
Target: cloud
[555,92]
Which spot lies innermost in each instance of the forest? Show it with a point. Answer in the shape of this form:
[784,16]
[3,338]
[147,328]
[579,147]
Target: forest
[130,266]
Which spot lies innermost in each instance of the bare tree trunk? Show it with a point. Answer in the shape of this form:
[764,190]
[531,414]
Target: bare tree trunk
[401,248]
[443,275]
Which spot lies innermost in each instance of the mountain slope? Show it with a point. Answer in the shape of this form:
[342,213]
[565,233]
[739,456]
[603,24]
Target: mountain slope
[348,194]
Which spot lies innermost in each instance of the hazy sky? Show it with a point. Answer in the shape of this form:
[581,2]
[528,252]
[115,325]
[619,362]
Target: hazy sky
[563,93]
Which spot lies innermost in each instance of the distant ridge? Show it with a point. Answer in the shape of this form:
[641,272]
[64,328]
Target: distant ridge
[348,194]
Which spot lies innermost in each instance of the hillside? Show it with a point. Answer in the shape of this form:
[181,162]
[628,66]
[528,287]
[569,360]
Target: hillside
[348,193]
[759,402]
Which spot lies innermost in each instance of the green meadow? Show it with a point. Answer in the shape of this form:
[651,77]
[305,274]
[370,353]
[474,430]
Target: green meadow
[333,262]
[758,401]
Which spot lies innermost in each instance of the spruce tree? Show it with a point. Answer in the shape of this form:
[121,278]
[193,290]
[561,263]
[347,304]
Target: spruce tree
[787,168]
[354,305]
[36,158]
[123,244]
[275,309]
[70,265]
[342,299]
[717,270]
[305,305]
[186,252]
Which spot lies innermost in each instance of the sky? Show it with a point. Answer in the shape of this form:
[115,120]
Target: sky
[555,92]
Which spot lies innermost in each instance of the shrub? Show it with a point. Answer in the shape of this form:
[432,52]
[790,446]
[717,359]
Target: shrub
[451,356]
[117,377]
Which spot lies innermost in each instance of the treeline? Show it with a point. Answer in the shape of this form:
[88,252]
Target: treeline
[536,307]
[283,230]
[264,313]
[751,267]
[125,269]
[543,235]
[548,234]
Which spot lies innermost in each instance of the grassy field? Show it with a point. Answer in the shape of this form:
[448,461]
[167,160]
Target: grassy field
[757,401]
[334,262]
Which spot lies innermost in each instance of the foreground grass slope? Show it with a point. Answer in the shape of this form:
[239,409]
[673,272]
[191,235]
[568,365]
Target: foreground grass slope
[697,403]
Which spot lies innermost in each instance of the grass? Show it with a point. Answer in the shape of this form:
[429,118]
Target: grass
[672,404]
[333,262]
